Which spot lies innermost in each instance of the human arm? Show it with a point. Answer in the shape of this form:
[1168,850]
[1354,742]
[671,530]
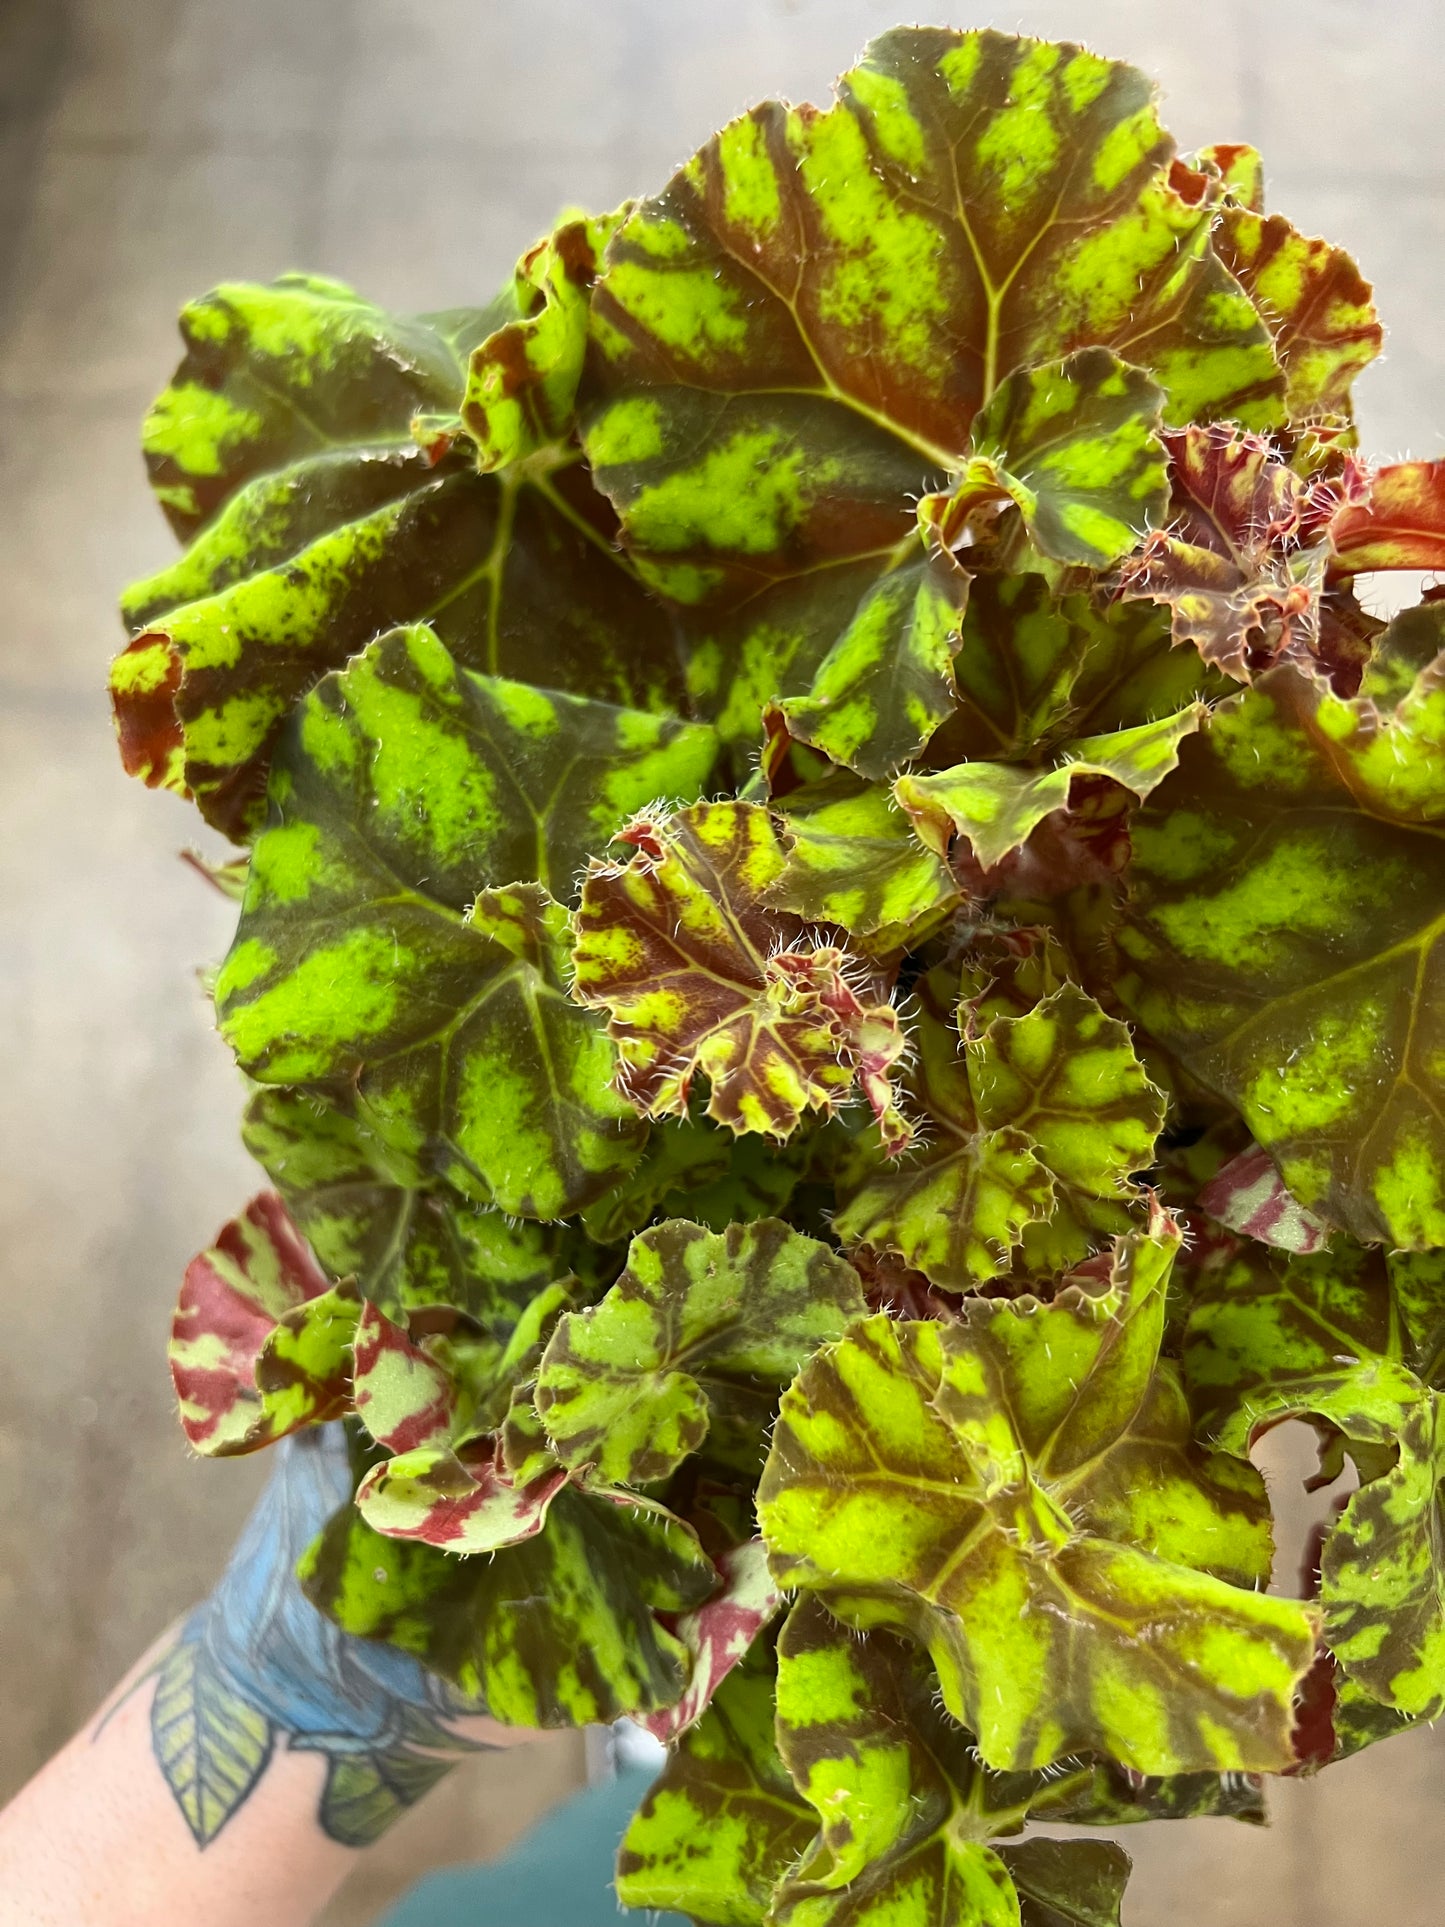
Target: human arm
[247,1757]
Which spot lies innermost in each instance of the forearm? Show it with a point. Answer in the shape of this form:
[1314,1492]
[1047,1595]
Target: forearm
[99,1837]
[247,1757]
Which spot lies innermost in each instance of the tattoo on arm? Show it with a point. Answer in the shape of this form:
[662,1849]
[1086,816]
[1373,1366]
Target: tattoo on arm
[256,1666]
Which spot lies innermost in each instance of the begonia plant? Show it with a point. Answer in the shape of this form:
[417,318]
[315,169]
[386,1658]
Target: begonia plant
[840,970]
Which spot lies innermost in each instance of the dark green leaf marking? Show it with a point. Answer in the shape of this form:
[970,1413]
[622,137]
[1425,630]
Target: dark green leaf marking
[699,1326]
[558,1631]
[723,1822]
[793,341]
[907,1812]
[1284,935]
[375,950]
[284,448]
[1355,1338]
[1018,1490]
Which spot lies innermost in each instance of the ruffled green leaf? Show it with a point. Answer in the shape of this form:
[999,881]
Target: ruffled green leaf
[1030,1128]
[723,1822]
[906,1811]
[699,1328]
[405,791]
[998,806]
[1019,1490]
[1382,1579]
[276,373]
[1037,670]
[795,338]
[886,684]
[1348,1335]
[956,1207]
[1075,446]
[289,427]
[1284,935]
[853,860]
[522,381]
[560,1630]
[261,1340]
[1068,1077]
[699,975]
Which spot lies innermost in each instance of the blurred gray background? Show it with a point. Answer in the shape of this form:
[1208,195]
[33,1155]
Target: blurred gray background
[413,147]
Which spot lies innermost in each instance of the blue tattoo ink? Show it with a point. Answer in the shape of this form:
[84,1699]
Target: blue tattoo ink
[256,1663]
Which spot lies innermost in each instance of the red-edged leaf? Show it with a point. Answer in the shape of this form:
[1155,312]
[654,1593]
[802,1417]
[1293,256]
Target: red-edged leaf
[462,1502]
[1243,562]
[401,1395]
[1400,525]
[1315,302]
[1249,1196]
[718,1634]
[700,974]
[248,1362]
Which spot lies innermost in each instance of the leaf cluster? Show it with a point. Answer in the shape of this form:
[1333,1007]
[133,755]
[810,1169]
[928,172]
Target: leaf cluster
[840,963]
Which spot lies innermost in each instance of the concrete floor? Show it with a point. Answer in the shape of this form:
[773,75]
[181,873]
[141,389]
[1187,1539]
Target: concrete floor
[151,147]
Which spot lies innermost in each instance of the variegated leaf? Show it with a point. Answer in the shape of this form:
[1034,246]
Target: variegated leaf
[692,1170]
[793,341]
[886,684]
[957,1205]
[1354,1338]
[1383,1574]
[998,806]
[1068,1077]
[284,449]
[719,1634]
[462,1501]
[699,975]
[996,1486]
[1031,1125]
[369,1211]
[701,1328]
[1249,1196]
[561,1629]
[522,380]
[1318,307]
[1345,1334]
[277,373]
[406,791]
[907,1813]
[852,860]
[723,1822]
[1038,670]
[1075,446]
[261,1341]
[1284,934]
[400,1393]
